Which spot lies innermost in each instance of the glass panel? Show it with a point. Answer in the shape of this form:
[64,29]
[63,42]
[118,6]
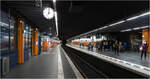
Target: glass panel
[4,33]
[12,22]
[25,36]
[4,39]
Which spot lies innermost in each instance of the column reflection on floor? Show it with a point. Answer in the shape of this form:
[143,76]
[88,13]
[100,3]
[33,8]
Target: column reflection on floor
[45,65]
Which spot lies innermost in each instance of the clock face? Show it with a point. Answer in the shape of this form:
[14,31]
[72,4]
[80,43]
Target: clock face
[48,13]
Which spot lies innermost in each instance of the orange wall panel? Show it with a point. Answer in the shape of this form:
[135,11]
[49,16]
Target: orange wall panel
[146,37]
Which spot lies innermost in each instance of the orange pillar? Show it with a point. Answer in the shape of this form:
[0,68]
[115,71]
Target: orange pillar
[20,40]
[146,37]
[35,42]
[45,45]
[149,41]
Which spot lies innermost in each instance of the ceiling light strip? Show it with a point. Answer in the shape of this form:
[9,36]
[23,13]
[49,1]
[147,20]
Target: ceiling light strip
[135,17]
[56,19]
[117,23]
[136,28]
[56,22]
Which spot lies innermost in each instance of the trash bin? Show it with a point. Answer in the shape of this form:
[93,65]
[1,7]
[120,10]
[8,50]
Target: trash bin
[5,65]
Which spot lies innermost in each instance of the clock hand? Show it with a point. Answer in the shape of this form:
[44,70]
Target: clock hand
[48,11]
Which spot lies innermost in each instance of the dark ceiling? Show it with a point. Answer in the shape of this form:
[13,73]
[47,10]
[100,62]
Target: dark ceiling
[76,17]
[79,17]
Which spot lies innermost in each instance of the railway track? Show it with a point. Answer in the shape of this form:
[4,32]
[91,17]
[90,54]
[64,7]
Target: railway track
[92,67]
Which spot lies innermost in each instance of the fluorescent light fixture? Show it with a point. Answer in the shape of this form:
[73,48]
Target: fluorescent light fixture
[137,28]
[50,34]
[3,24]
[11,27]
[103,27]
[55,14]
[48,13]
[95,30]
[116,23]
[126,30]
[135,17]
[144,27]
[6,37]
[56,22]
[25,31]
[147,13]
[54,1]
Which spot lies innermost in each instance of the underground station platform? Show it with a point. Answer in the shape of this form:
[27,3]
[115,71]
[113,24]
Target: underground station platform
[55,63]
[69,39]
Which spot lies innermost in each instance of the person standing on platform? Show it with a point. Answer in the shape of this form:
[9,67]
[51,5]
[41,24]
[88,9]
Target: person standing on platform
[120,46]
[113,47]
[144,49]
[100,47]
[104,46]
[110,46]
[116,48]
[80,44]
[89,46]
[97,46]
[125,46]
[92,46]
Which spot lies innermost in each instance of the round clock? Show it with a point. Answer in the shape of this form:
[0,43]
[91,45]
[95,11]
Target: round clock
[48,13]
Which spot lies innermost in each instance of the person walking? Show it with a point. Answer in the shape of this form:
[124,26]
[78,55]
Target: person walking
[144,49]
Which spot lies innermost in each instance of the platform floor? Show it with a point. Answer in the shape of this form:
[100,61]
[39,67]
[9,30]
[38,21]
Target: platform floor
[43,66]
[133,57]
